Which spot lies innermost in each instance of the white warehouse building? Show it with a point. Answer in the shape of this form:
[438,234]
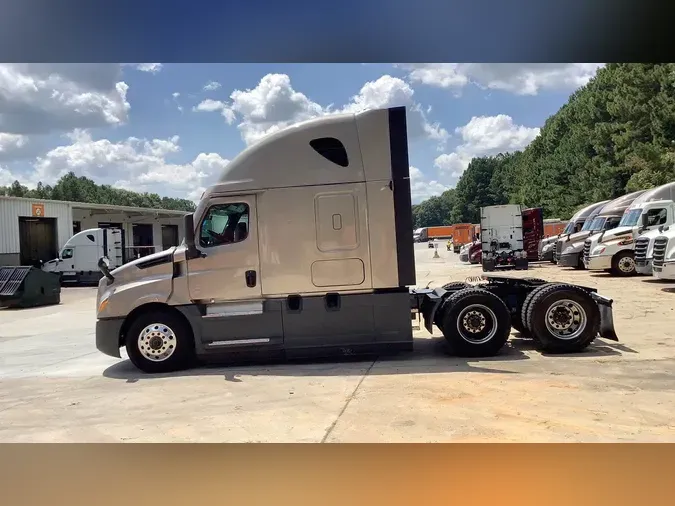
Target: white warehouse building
[34,230]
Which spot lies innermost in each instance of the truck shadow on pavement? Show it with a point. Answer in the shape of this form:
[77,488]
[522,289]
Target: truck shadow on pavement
[430,356]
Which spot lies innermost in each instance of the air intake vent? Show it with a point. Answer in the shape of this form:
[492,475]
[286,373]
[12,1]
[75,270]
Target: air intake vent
[660,245]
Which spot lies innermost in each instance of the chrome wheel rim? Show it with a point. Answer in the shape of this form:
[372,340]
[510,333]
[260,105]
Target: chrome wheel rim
[626,264]
[477,324]
[157,342]
[566,319]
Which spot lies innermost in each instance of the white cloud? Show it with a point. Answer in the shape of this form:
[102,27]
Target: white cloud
[421,188]
[11,142]
[137,164]
[209,105]
[518,78]
[37,98]
[152,68]
[484,136]
[212,86]
[175,94]
[274,104]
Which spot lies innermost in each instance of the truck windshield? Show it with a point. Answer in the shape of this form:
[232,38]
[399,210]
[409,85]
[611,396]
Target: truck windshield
[597,224]
[588,225]
[631,218]
[569,228]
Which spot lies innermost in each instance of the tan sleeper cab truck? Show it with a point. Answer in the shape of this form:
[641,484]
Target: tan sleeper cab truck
[303,247]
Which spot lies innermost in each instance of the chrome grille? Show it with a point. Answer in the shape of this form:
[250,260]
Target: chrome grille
[660,244]
[641,246]
[558,250]
[587,249]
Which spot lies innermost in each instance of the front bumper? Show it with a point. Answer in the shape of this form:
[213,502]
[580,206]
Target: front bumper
[464,257]
[546,254]
[665,271]
[108,336]
[598,263]
[569,259]
[644,267]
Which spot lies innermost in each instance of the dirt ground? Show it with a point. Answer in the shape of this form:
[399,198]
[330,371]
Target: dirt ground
[56,387]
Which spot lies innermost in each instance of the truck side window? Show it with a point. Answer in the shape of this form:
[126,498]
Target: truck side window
[67,253]
[224,224]
[331,149]
[656,217]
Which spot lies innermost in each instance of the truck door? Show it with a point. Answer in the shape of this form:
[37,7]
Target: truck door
[227,235]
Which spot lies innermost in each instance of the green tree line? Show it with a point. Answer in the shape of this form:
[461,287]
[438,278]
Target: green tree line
[81,189]
[613,136]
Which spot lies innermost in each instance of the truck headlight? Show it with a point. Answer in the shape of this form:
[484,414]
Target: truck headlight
[598,250]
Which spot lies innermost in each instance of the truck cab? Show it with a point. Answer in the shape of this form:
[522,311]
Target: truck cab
[547,247]
[569,249]
[663,253]
[303,248]
[78,259]
[614,250]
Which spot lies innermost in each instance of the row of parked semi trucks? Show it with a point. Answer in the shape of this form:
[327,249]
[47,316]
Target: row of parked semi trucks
[627,236]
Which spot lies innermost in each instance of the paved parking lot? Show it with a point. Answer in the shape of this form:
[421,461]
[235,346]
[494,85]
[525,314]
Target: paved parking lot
[56,387]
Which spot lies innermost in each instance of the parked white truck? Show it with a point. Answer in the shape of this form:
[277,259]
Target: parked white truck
[501,236]
[614,250]
[570,248]
[663,253]
[78,259]
[303,248]
[547,246]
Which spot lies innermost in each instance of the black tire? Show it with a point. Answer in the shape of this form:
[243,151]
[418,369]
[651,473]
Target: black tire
[535,281]
[622,260]
[454,285]
[544,299]
[483,305]
[525,331]
[179,332]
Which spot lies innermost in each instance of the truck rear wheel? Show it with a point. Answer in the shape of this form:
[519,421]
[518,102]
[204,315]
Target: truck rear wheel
[623,264]
[475,322]
[519,323]
[160,341]
[562,318]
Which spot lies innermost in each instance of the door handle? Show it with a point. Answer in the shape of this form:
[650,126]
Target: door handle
[250,278]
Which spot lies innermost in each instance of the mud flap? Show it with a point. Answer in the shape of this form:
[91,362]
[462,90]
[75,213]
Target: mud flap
[606,317]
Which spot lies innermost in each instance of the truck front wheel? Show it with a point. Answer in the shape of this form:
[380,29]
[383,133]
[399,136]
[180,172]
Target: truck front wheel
[623,264]
[475,322]
[160,342]
[562,318]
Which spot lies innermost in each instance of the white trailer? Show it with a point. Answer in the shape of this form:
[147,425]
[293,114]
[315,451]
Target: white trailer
[501,234]
[78,259]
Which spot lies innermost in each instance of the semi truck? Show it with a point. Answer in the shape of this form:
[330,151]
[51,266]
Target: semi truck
[430,233]
[302,248]
[570,247]
[663,253]
[547,246]
[614,250]
[501,233]
[77,262]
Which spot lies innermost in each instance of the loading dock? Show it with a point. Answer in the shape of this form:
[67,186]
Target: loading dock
[32,230]
[38,240]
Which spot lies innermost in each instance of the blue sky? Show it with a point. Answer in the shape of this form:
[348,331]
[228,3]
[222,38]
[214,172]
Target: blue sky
[162,128]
